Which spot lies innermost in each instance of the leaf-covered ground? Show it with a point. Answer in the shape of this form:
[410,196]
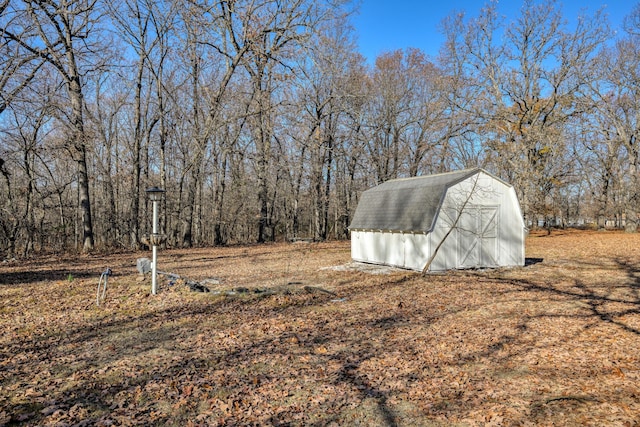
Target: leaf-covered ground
[554,343]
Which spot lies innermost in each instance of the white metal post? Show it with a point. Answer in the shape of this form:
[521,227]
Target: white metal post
[155,249]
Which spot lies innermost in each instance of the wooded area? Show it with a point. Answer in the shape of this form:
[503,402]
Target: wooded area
[263,122]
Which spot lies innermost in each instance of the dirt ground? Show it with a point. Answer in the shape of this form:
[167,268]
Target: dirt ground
[293,334]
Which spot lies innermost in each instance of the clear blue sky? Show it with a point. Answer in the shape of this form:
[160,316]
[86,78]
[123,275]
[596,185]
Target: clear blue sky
[385,25]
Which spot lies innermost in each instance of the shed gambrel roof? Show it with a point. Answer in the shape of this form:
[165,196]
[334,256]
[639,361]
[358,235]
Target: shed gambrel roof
[408,205]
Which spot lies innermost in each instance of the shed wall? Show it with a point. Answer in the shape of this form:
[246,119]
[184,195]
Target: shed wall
[486,194]
[404,250]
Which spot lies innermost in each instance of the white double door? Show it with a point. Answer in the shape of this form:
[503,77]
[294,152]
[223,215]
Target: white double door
[478,237]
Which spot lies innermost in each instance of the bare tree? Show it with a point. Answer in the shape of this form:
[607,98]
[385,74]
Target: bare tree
[59,34]
[145,26]
[528,89]
[17,66]
[28,173]
[601,159]
[321,94]
[615,92]
[352,170]
[286,28]
[104,112]
[222,28]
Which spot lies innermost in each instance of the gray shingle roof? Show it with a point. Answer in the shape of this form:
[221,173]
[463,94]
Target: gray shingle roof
[409,204]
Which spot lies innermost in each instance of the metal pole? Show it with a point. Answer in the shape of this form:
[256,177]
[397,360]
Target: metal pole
[154,250]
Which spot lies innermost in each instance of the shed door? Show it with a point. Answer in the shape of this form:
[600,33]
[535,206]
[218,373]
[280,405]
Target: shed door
[478,237]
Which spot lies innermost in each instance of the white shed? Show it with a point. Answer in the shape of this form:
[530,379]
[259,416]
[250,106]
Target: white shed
[469,218]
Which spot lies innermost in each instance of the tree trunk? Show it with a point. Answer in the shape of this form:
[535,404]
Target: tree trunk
[631,209]
[264,153]
[28,219]
[79,143]
[263,194]
[190,204]
[9,226]
[218,238]
[327,188]
[134,219]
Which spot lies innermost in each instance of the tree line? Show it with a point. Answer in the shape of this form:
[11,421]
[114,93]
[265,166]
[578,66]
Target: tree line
[262,121]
